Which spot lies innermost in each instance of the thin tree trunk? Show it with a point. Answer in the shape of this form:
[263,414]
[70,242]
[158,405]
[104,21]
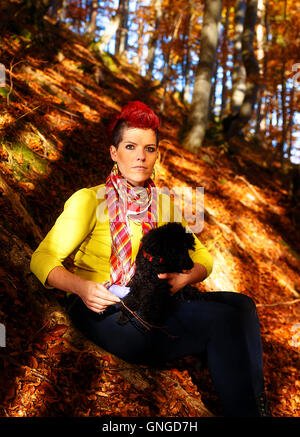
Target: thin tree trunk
[37,9]
[188,60]
[79,21]
[63,11]
[198,116]
[268,113]
[166,73]
[291,123]
[283,92]
[224,55]
[263,44]
[260,59]
[109,31]
[121,45]
[93,20]
[239,72]
[55,7]
[252,71]
[277,97]
[153,38]
[212,98]
[139,57]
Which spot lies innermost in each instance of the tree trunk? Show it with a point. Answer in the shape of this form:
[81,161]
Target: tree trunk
[167,68]
[138,59]
[79,19]
[198,116]
[58,9]
[252,71]
[153,38]
[224,54]
[37,9]
[262,57]
[270,110]
[121,45]
[212,98]
[187,64]
[109,31]
[239,72]
[56,6]
[63,11]
[283,91]
[91,32]
[291,123]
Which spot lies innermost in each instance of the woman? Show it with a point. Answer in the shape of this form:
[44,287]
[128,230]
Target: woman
[105,225]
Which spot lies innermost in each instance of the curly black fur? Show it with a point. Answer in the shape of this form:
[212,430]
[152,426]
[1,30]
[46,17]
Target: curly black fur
[150,296]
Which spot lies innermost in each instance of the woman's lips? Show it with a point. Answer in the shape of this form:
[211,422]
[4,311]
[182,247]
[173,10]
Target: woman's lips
[140,168]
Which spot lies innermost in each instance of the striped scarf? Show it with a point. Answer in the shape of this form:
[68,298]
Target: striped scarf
[125,201]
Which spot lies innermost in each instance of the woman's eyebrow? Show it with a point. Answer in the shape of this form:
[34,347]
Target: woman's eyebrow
[132,142]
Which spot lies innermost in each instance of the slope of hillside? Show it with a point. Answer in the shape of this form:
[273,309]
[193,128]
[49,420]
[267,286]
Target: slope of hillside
[54,112]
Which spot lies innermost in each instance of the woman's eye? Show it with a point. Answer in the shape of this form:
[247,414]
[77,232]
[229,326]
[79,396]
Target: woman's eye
[151,149]
[129,146]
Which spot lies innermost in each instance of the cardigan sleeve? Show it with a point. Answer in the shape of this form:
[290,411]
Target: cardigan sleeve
[69,231]
[200,254]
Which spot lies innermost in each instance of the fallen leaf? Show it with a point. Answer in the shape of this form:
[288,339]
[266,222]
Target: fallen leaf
[58,330]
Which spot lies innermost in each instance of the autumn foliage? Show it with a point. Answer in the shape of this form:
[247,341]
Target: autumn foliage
[54,113]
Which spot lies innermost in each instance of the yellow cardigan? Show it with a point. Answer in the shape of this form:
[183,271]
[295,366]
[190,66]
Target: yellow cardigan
[83,226]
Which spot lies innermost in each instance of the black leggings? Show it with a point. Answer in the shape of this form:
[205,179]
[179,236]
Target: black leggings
[222,325]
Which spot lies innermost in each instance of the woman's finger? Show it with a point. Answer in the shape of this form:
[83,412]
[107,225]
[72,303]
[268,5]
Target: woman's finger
[106,295]
[100,301]
[97,309]
[98,306]
[95,306]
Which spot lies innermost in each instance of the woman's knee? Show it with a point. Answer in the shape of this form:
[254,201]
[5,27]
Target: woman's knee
[238,301]
[245,302]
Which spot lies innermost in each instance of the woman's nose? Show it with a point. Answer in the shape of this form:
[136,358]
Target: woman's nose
[141,156]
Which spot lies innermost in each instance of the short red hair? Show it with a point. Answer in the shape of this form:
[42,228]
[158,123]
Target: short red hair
[134,114]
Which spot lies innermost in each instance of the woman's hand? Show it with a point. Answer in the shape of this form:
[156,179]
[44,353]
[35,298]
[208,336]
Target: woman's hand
[176,280]
[96,297]
[179,280]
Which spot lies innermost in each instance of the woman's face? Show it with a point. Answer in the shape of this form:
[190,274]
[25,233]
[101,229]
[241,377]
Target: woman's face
[136,155]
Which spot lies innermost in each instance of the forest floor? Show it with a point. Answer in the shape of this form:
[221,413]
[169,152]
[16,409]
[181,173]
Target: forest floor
[53,118]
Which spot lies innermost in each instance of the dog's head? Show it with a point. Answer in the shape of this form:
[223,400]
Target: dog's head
[168,247]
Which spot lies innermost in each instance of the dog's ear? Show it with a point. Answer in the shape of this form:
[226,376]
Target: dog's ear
[180,232]
[167,238]
[190,240]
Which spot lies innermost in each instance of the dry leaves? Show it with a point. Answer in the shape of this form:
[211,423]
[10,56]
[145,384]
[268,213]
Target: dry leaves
[41,374]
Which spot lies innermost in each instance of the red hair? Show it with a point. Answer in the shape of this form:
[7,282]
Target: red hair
[134,114]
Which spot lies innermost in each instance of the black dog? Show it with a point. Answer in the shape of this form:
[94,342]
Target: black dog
[163,250]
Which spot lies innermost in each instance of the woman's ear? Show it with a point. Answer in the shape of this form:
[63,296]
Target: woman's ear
[113,153]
